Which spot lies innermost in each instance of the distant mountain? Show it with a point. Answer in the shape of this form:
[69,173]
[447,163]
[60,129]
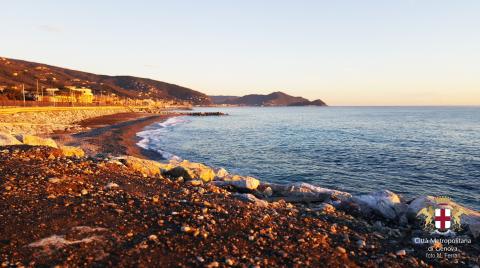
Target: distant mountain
[221,99]
[13,73]
[272,99]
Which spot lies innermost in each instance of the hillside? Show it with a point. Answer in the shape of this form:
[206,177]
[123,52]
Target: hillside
[13,73]
[221,98]
[272,99]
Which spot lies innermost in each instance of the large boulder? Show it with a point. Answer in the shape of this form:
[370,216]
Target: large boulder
[70,151]
[180,171]
[250,198]
[37,141]
[144,166]
[190,170]
[221,173]
[384,203]
[304,193]
[239,182]
[468,218]
[7,139]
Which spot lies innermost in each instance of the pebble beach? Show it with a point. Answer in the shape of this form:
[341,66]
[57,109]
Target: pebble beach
[92,197]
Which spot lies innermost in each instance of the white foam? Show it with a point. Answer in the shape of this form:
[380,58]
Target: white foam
[151,134]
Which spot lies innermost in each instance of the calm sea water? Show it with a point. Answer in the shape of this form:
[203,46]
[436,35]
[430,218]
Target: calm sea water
[409,150]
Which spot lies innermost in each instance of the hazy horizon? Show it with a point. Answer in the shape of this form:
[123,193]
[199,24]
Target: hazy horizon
[347,53]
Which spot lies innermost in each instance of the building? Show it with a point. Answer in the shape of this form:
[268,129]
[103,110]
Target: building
[81,94]
[71,95]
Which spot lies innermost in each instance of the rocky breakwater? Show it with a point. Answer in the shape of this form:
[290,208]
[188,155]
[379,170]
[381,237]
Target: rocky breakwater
[62,208]
[45,122]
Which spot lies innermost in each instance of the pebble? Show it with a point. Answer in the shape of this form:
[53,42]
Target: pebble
[195,182]
[361,243]
[153,237]
[437,245]
[112,185]
[84,192]
[229,262]
[341,250]
[200,259]
[213,264]
[54,180]
[186,229]
[401,252]
[327,208]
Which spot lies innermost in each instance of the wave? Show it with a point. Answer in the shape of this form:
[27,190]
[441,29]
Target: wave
[150,137]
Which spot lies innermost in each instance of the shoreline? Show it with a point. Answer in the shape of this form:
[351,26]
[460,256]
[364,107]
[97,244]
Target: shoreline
[134,210]
[113,135]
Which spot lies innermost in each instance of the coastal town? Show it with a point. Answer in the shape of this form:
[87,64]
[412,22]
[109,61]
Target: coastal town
[31,84]
[74,96]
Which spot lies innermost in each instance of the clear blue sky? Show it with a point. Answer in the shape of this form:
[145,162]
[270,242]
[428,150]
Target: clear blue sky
[346,52]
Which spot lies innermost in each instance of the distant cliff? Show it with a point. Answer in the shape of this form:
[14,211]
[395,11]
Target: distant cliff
[13,73]
[272,99]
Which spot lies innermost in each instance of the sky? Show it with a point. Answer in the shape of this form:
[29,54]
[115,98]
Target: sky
[403,52]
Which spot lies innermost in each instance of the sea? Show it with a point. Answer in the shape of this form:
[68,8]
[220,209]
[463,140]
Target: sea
[411,151]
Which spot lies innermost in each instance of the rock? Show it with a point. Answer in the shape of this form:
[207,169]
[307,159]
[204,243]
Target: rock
[468,217]
[304,192]
[177,172]
[7,139]
[268,192]
[437,245]
[84,192]
[189,171]
[385,203]
[361,243]
[229,262]
[401,252]
[242,183]
[111,185]
[70,151]
[200,171]
[221,173]
[325,207]
[341,250]
[195,182]
[474,229]
[144,166]
[37,141]
[54,180]
[186,229]
[251,199]
[153,237]
[213,264]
